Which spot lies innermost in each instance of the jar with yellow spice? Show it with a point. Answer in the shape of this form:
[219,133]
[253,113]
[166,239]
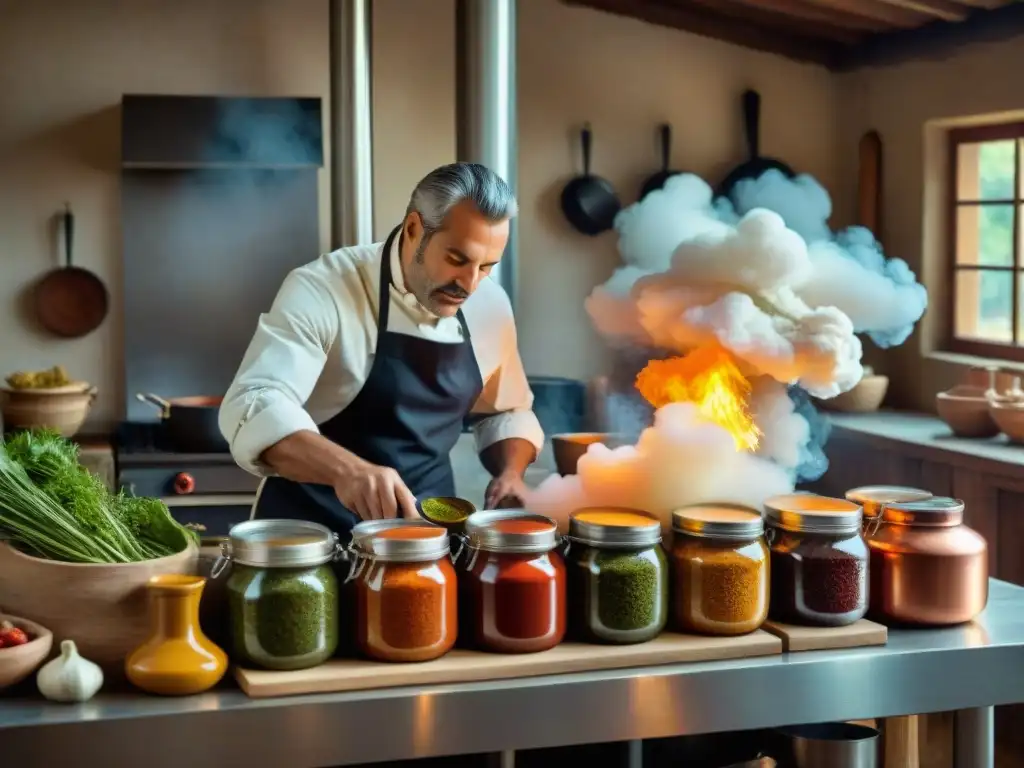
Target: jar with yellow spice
[720,569]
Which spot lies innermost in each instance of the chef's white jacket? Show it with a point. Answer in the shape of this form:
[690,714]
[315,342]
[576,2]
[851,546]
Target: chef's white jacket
[312,353]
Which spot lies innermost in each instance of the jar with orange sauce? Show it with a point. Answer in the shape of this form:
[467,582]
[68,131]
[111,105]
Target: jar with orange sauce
[513,596]
[617,576]
[406,594]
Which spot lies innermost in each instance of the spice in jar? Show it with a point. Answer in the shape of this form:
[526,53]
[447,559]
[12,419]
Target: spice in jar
[819,560]
[514,583]
[406,595]
[720,564]
[617,576]
[282,593]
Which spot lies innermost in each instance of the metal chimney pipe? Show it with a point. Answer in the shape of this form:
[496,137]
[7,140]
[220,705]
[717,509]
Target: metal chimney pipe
[351,123]
[486,103]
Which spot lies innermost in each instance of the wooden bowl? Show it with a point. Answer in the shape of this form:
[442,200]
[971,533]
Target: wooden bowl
[865,397]
[62,409]
[20,661]
[570,446]
[103,608]
[965,409]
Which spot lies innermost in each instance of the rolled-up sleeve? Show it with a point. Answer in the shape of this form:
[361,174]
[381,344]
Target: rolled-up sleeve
[266,401]
[506,402]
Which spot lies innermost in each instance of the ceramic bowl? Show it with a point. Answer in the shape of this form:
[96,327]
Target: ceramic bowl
[965,409]
[20,661]
[1009,418]
[570,446]
[865,397]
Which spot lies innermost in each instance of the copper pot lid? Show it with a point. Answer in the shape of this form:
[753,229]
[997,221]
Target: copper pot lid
[938,512]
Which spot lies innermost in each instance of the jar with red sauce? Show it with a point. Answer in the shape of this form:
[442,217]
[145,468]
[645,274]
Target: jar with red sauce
[513,582]
[406,594]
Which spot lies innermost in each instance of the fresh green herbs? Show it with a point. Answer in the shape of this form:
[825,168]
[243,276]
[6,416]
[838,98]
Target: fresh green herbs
[51,506]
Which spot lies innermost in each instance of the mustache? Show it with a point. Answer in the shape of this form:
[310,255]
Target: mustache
[454,290]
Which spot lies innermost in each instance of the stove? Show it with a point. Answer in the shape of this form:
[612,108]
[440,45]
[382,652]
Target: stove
[208,489]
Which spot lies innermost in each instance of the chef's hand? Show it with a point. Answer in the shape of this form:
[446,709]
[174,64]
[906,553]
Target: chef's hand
[505,490]
[374,492]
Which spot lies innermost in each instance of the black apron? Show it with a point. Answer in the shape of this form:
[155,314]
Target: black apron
[408,416]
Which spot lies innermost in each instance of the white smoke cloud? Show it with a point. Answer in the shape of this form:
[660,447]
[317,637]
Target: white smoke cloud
[762,275]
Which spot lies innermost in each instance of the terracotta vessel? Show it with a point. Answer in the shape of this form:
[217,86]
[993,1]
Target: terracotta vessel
[177,659]
[927,567]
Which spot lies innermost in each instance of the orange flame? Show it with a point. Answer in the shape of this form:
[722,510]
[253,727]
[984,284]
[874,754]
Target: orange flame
[709,378]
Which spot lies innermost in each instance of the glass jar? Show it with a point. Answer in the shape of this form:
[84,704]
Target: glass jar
[617,576]
[406,603]
[720,563]
[927,567]
[872,497]
[282,593]
[361,532]
[514,582]
[819,560]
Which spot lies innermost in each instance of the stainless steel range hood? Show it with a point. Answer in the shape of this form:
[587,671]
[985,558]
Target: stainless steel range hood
[350,34]
[486,70]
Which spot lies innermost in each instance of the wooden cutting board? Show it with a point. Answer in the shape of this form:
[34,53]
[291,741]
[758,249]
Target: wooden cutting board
[859,634]
[473,666]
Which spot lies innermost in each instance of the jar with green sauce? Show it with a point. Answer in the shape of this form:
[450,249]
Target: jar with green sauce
[618,576]
[282,593]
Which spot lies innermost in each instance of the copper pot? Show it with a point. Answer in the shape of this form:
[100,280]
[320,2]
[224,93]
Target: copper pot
[872,497]
[927,567]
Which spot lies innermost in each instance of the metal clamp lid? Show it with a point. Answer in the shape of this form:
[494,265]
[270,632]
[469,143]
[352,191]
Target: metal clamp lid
[937,512]
[811,513]
[278,544]
[614,527]
[873,497]
[512,531]
[366,529]
[407,544]
[726,521]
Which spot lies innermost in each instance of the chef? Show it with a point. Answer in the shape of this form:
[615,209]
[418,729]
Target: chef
[358,381]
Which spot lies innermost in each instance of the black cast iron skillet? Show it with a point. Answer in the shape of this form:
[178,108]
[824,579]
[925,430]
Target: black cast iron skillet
[756,165]
[657,180]
[589,202]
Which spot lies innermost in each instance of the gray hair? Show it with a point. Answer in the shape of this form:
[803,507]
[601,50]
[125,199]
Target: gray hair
[445,187]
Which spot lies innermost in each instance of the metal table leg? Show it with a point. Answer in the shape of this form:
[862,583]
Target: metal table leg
[974,738]
[635,754]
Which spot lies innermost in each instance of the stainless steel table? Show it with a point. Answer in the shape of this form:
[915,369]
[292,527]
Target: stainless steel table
[969,669]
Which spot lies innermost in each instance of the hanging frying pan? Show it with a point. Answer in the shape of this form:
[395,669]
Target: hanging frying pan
[756,165]
[71,301]
[589,202]
[657,180]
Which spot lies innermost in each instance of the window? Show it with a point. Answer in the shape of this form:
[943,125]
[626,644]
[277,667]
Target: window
[987,316]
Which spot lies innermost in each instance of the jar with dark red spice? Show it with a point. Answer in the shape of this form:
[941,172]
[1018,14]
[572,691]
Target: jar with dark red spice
[818,562]
[513,582]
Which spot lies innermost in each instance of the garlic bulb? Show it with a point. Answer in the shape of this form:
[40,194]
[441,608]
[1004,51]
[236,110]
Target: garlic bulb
[69,677]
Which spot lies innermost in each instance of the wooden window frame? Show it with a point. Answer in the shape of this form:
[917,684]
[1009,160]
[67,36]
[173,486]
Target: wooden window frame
[1014,350]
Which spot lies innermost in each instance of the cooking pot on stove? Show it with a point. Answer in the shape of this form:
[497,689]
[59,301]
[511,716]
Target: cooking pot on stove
[190,422]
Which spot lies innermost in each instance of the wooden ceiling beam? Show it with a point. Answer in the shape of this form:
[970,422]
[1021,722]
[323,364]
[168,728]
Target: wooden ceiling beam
[879,10]
[715,25]
[828,16]
[939,9]
[758,13]
[935,41]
